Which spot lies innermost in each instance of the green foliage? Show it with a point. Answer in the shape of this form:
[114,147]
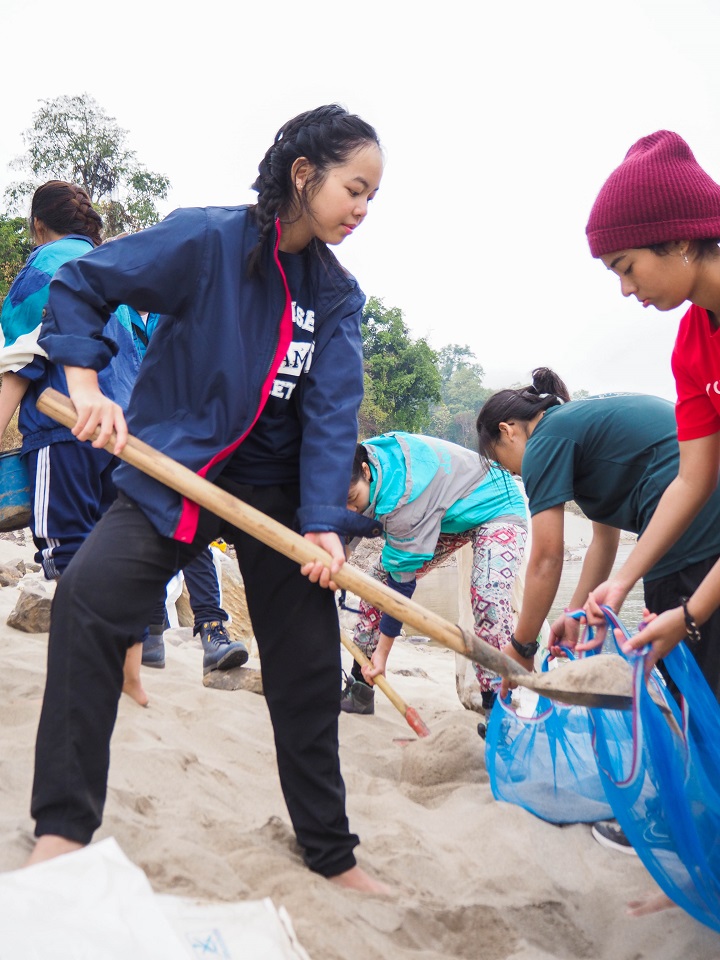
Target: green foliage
[401,375]
[73,139]
[15,248]
[462,395]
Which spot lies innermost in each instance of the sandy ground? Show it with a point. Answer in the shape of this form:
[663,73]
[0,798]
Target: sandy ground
[194,800]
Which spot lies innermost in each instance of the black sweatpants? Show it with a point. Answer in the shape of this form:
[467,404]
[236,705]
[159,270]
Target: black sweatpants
[101,605]
[664,594]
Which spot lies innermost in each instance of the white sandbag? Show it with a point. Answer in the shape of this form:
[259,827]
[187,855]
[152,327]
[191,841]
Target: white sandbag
[95,904]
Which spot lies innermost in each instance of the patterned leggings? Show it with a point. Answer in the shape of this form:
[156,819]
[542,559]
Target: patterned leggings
[497,553]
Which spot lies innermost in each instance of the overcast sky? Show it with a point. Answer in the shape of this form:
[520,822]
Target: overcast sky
[500,122]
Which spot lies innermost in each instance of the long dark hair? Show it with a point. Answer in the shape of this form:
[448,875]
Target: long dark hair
[65,208]
[326,136]
[546,390]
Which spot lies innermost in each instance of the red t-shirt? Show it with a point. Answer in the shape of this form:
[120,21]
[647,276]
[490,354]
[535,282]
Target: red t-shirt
[696,368]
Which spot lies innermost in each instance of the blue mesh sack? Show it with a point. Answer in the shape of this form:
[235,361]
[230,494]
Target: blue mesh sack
[666,795]
[546,763]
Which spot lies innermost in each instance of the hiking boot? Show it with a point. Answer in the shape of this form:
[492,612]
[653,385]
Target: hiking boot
[153,648]
[357,697]
[221,653]
[609,834]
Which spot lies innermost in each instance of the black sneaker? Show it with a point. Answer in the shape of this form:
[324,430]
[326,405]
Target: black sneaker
[357,697]
[609,833]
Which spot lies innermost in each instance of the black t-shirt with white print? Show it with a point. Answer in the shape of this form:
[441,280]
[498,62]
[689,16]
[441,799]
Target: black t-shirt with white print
[271,452]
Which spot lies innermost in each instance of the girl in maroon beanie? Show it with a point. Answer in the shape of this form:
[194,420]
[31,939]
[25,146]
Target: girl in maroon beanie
[656,225]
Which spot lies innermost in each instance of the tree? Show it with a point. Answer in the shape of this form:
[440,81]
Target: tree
[73,139]
[401,375]
[454,357]
[462,395]
[15,248]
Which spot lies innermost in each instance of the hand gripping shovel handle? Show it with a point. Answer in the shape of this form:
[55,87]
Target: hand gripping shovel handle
[410,713]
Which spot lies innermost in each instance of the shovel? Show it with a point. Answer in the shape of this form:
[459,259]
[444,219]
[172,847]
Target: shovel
[599,681]
[410,713]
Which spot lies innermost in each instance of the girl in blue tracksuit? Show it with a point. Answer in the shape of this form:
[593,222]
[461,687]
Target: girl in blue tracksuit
[70,483]
[432,497]
[253,380]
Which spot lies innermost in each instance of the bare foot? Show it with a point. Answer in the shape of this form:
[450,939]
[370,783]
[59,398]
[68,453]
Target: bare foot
[132,684]
[356,879]
[50,846]
[652,903]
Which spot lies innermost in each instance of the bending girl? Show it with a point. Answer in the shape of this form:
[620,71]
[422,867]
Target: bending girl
[433,497]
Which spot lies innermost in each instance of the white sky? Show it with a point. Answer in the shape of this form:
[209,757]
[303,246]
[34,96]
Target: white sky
[500,122]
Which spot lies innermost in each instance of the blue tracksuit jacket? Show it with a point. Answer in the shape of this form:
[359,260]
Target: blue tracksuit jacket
[20,328]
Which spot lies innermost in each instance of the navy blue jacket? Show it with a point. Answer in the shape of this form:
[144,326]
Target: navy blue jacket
[211,363]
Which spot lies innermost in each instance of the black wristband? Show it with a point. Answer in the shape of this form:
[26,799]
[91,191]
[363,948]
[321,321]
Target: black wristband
[526,650]
[691,628]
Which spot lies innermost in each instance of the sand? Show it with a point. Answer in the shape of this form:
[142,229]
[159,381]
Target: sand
[194,800]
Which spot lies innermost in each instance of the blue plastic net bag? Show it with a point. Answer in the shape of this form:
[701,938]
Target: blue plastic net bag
[546,763]
[666,795]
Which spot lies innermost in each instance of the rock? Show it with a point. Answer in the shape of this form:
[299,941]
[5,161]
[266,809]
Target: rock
[412,672]
[9,575]
[241,678]
[181,637]
[32,611]
[233,599]
[183,608]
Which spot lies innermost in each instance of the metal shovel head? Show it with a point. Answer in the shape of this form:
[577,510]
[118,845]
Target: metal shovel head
[604,681]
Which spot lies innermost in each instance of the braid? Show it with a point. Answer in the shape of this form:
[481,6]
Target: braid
[66,208]
[326,137]
[90,222]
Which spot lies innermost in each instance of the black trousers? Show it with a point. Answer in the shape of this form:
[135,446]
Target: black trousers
[664,594]
[102,603]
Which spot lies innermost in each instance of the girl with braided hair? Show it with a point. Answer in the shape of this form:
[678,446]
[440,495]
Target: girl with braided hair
[70,483]
[63,225]
[253,379]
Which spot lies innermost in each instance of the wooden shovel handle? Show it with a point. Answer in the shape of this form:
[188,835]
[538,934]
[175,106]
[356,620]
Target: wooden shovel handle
[410,713]
[179,478]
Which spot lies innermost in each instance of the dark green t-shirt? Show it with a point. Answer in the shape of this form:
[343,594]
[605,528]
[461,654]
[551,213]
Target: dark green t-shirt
[615,455]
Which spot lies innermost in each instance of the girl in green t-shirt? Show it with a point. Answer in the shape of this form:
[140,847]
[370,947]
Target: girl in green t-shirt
[615,455]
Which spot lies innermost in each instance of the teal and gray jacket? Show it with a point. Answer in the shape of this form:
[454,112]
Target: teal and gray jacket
[422,487]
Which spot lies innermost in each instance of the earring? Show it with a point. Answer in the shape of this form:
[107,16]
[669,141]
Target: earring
[685,259]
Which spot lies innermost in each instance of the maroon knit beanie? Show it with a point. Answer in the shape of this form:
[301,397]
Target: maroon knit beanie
[658,194]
